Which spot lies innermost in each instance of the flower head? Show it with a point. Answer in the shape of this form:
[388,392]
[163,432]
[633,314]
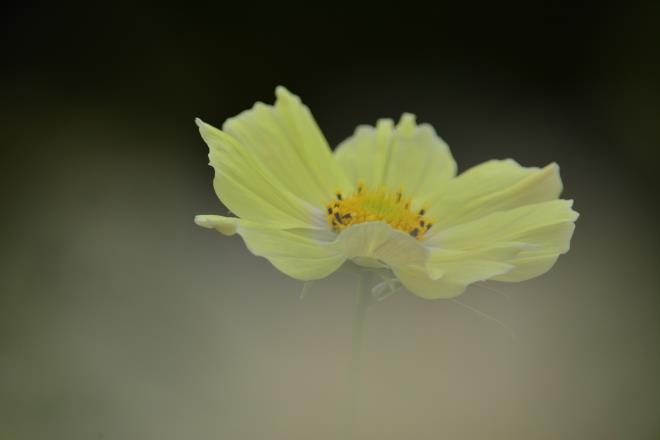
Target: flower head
[388,197]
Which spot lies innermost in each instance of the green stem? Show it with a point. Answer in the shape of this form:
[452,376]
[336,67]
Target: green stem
[362,302]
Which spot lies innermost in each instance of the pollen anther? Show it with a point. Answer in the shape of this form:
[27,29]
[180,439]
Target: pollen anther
[368,205]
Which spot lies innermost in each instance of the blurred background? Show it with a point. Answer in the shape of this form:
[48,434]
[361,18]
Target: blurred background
[120,319]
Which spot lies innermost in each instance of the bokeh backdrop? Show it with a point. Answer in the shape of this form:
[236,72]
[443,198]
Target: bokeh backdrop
[120,319]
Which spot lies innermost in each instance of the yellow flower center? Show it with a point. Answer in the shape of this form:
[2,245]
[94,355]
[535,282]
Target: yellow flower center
[366,205]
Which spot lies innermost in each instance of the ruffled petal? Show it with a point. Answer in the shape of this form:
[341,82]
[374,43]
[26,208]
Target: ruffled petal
[251,191]
[288,142]
[451,263]
[493,186]
[452,282]
[448,272]
[551,242]
[409,156]
[224,225]
[377,244]
[528,238]
[295,255]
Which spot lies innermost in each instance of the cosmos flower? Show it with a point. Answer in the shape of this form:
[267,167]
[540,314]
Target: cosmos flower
[388,197]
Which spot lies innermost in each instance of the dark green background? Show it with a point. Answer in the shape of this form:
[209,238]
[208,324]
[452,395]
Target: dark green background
[120,319]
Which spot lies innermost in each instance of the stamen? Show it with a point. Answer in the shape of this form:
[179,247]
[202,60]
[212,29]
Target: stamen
[365,205]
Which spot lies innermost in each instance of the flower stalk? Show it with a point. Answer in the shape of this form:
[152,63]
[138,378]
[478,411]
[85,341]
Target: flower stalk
[363,300]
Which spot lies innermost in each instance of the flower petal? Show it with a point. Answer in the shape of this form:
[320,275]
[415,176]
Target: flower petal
[224,225]
[448,272]
[248,189]
[529,238]
[552,241]
[493,186]
[377,244]
[295,255]
[452,282]
[288,142]
[444,262]
[409,156]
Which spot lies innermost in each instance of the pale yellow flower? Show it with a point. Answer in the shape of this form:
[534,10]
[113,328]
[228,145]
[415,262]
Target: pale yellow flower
[388,197]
